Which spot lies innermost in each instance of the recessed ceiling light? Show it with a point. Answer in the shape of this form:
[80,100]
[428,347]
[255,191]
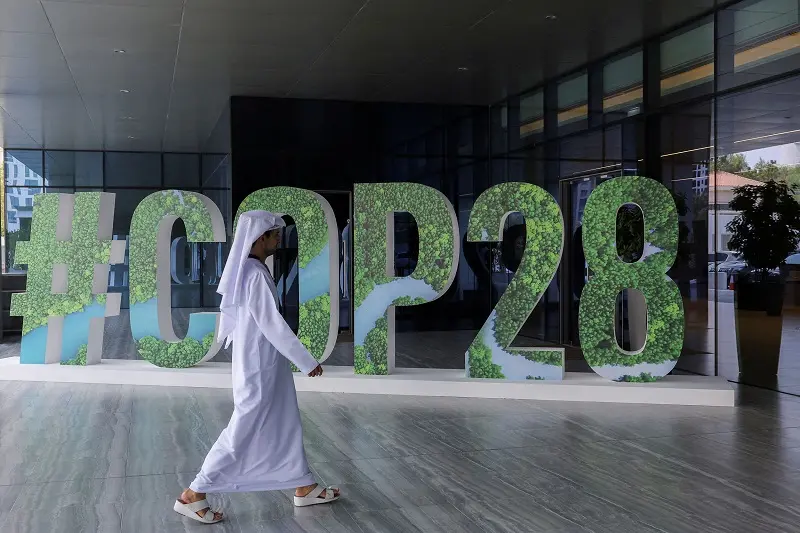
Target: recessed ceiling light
[119,50]
[131,137]
[551,17]
[124,91]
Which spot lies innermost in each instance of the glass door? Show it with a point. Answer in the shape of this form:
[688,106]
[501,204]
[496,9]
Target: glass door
[574,272]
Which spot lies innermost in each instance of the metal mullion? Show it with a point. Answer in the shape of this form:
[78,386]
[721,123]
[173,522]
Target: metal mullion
[713,153]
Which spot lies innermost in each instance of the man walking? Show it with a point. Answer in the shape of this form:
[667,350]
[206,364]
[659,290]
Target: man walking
[262,447]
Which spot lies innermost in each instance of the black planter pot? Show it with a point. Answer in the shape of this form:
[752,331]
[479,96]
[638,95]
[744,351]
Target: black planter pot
[759,327]
[760,295]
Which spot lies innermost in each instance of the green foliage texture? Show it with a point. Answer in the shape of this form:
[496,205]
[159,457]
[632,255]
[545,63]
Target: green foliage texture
[143,267]
[479,359]
[306,209]
[665,324]
[644,377]
[171,354]
[80,358]
[182,354]
[143,246]
[544,229]
[371,358]
[374,203]
[315,316]
[43,251]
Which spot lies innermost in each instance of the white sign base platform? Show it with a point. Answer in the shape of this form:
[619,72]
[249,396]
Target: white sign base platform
[576,387]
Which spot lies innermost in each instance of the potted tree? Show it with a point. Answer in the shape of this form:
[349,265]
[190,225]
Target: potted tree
[765,232]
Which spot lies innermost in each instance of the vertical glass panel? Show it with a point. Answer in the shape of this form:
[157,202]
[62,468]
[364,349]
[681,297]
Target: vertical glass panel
[182,170]
[434,143]
[531,114]
[24,168]
[19,211]
[461,131]
[23,175]
[622,86]
[573,97]
[124,169]
[687,62]
[685,154]
[499,128]
[758,303]
[67,169]
[216,170]
[581,154]
[757,39]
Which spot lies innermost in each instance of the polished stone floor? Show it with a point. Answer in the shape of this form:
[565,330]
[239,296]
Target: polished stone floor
[86,458]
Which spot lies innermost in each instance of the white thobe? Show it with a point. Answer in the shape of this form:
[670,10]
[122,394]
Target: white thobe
[262,447]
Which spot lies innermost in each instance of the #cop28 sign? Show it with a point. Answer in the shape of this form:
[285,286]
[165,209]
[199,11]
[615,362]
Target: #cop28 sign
[70,250]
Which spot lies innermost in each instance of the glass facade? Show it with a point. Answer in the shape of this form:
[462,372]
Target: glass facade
[132,177]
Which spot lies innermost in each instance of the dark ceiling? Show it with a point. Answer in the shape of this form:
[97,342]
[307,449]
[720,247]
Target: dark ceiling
[64,63]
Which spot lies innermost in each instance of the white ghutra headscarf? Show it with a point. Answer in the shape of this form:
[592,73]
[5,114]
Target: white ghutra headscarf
[251,226]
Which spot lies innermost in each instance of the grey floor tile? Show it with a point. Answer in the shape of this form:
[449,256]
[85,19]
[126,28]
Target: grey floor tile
[461,481]
[428,519]
[288,525]
[478,433]
[8,496]
[338,472]
[18,461]
[448,518]
[255,507]
[87,442]
[504,515]
[393,475]
[318,519]
[357,497]
[329,438]
[167,442]
[83,492]
[105,518]
[405,464]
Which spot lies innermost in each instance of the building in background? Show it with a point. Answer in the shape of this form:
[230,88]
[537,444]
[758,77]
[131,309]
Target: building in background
[721,187]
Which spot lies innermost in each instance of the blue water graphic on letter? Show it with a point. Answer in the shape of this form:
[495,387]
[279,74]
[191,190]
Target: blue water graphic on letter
[381,297]
[144,322]
[315,277]
[76,334]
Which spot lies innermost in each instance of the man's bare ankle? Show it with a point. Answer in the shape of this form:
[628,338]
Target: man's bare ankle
[190,496]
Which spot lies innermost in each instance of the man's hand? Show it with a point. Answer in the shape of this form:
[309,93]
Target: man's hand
[316,372]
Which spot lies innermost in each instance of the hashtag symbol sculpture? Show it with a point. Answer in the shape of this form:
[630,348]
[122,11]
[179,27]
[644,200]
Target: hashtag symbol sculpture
[68,256]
